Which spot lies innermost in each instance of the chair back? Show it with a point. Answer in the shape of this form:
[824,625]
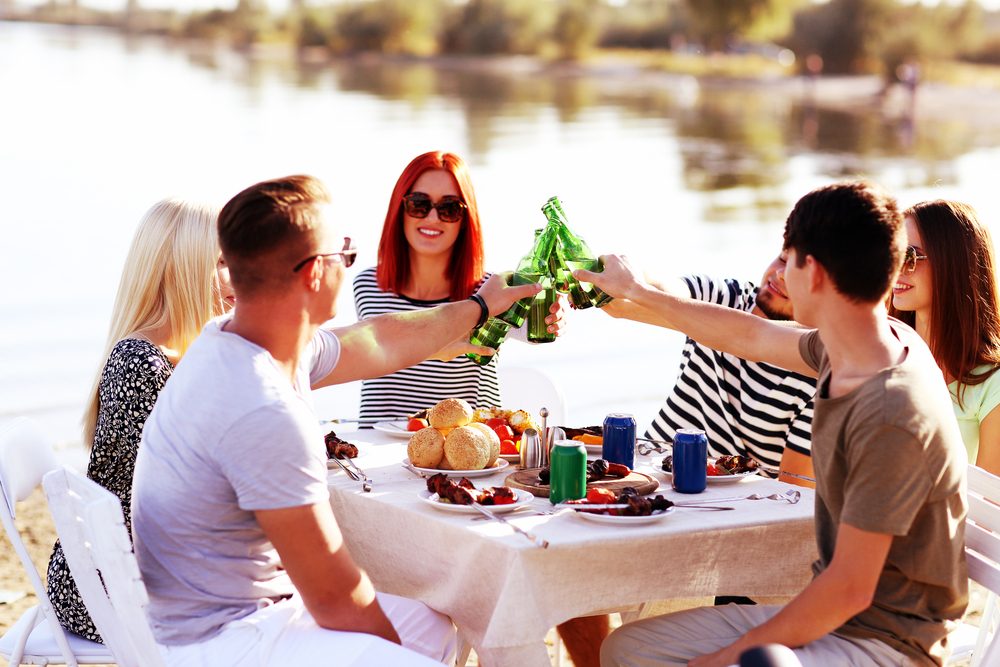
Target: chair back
[982,550]
[25,457]
[524,388]
[98,550]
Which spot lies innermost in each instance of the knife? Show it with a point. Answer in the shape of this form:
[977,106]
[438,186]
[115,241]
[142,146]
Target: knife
[496,517]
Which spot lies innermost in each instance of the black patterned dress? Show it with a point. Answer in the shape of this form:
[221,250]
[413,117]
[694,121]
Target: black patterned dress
[132,378]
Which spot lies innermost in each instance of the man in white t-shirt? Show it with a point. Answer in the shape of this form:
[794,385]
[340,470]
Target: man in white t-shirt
[234,534]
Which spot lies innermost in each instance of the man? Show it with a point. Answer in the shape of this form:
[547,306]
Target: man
[886,450]
[746,408]
[234,534]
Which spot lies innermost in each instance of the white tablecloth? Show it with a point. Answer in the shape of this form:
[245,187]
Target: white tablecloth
[504,593]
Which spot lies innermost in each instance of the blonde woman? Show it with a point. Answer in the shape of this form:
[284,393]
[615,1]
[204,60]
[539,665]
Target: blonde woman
[173,282]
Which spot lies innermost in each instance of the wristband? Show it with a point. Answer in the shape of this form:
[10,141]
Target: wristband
[484,311]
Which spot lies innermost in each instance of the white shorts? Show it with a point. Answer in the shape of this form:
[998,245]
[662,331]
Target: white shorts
[285,633]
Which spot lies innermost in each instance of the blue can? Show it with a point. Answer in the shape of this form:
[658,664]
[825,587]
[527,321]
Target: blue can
[690,461]
[619,439]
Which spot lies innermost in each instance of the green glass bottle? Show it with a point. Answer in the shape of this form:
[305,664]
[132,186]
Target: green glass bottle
[532,268]
[538,329]
[490,334]
[573,253]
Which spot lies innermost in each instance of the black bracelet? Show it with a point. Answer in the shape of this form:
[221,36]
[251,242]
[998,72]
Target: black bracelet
[484,311]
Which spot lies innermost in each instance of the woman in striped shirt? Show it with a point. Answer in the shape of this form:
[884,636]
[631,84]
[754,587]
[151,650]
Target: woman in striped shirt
[431,252]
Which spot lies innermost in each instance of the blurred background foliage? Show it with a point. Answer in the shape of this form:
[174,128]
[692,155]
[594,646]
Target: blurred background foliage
[737,37]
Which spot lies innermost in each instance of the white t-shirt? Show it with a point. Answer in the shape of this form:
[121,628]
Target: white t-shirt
[230,434]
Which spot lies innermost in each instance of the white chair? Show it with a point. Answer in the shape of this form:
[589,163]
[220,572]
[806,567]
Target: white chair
[982,549]
[91,529]
[524,388]
[36,638]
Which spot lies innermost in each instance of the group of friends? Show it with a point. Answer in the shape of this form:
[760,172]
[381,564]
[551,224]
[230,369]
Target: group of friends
[864,360]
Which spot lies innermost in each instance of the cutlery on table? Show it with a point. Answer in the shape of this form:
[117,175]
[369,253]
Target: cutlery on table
[366,484]
[366,481]
[496,517]
[409,466]
[620,506]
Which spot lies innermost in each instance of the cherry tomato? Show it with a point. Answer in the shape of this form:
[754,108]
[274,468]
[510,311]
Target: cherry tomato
[416,424]
[493,422]
[601,496]
[504,432]
[711,470]
[508,447]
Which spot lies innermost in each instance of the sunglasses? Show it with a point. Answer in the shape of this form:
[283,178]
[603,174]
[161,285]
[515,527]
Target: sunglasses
[347,256]
[419,205]
[910,259]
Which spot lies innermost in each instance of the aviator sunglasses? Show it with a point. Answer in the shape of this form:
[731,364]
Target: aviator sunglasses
[910,258]
[347,255]
[449,209]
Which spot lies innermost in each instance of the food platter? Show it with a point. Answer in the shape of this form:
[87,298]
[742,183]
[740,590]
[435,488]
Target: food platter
[623,520]
[523,498]
[527,480]
[711,479]
[497,467]
[396,429]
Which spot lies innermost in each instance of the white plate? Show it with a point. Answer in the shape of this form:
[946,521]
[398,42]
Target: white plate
[623,520]
[511,458]
[497,467]
[395,429]
[712,479]
[522,499]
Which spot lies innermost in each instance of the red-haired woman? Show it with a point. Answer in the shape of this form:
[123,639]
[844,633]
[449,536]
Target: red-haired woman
[431,252]
[947,291]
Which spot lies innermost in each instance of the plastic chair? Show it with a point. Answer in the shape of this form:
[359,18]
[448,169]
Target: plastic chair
[982,550]
[36,638]
[91,529]
[524,388]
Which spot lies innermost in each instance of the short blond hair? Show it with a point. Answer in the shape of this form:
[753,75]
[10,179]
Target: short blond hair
[169,279]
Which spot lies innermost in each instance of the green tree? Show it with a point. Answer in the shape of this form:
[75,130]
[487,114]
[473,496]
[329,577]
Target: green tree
[718,22]
[576,30]
[500,26]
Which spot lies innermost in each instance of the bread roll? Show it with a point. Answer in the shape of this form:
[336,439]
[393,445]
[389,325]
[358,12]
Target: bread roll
[494,441]
[426,448]
[450,413]
[467,448]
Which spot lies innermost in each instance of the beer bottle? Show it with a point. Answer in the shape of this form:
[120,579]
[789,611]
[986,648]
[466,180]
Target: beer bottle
[490,334]
[532,268]
[538,330]
[574,253]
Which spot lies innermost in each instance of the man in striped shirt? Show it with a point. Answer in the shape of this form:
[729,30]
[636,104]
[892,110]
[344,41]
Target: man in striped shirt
[747,408]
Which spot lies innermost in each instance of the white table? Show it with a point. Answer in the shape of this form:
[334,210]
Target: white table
[504,593]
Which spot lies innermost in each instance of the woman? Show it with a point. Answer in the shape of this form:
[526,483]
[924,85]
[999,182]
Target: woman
[947,291]
[173,282]
[431,252]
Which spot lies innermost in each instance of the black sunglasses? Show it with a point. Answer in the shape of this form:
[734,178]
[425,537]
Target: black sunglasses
[347,256]
[910,259]
[449,209]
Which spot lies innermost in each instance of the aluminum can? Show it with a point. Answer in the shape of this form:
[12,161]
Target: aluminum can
[690,461]
[619,439]
[568,477]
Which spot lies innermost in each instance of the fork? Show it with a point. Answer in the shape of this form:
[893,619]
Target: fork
[366,484]
[791,496]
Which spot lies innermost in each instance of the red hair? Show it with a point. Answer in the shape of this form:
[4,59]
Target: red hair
[465,268]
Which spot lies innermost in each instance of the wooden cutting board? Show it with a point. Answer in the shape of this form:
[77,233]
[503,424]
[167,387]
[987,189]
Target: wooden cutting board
[527,480]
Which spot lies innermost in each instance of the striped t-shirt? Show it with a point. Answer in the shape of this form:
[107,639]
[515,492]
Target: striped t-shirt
[411,389]
[748,408]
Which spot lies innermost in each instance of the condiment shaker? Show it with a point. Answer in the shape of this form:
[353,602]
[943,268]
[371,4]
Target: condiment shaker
[533,453]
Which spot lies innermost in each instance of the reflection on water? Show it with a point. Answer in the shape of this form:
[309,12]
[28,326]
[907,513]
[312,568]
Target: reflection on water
[682,176]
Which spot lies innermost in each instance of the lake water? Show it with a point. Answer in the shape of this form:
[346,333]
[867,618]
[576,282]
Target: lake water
[684,177]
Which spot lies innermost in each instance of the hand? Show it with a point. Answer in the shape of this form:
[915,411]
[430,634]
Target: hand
[557,318]
[499,297]
[617,279]
[621,309]
[460,347]
[721,658]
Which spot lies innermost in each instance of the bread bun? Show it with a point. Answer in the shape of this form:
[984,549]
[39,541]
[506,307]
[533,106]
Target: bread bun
[426,448]
[450,413]
[494,441]
[467,448]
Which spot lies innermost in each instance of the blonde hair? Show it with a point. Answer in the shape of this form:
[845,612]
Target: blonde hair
[169,281]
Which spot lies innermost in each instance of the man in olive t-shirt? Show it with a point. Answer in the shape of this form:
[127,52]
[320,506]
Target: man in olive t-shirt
[888,456]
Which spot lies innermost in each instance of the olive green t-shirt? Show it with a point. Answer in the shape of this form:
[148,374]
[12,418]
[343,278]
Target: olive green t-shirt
[889,459]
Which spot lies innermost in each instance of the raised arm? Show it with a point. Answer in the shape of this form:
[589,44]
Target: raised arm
[720,328]
[387,343]
[334,589]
